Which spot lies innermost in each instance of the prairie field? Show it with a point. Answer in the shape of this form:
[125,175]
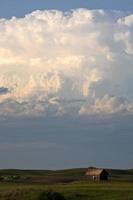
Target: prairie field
[30,184]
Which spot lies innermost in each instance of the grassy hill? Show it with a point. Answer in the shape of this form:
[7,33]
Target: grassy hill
[57,176]
[71,183]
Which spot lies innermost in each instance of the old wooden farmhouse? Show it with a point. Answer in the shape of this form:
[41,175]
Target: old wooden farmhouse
[96,174]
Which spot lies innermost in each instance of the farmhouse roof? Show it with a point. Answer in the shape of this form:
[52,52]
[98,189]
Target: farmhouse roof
[94,171]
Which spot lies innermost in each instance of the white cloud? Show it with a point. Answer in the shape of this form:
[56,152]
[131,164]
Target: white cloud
[128,20]
[50,55]
[107,105]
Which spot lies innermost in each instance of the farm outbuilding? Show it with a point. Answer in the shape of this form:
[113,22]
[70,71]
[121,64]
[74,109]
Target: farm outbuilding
[96,174]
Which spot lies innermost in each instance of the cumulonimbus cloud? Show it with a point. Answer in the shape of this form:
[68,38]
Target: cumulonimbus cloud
[50,56]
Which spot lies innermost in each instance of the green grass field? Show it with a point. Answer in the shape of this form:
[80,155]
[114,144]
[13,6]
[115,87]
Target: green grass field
[32,183]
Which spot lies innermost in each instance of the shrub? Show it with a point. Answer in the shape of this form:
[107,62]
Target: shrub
[51,195]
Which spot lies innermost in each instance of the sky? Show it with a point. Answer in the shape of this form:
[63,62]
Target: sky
[9,8]
[66,84]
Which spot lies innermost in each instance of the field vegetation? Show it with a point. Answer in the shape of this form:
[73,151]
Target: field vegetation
[64,184]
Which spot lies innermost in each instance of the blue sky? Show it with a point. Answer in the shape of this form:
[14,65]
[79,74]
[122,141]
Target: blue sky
[10,8]
[65,84]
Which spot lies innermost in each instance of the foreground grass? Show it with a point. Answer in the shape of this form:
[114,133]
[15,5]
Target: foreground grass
[74,191]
